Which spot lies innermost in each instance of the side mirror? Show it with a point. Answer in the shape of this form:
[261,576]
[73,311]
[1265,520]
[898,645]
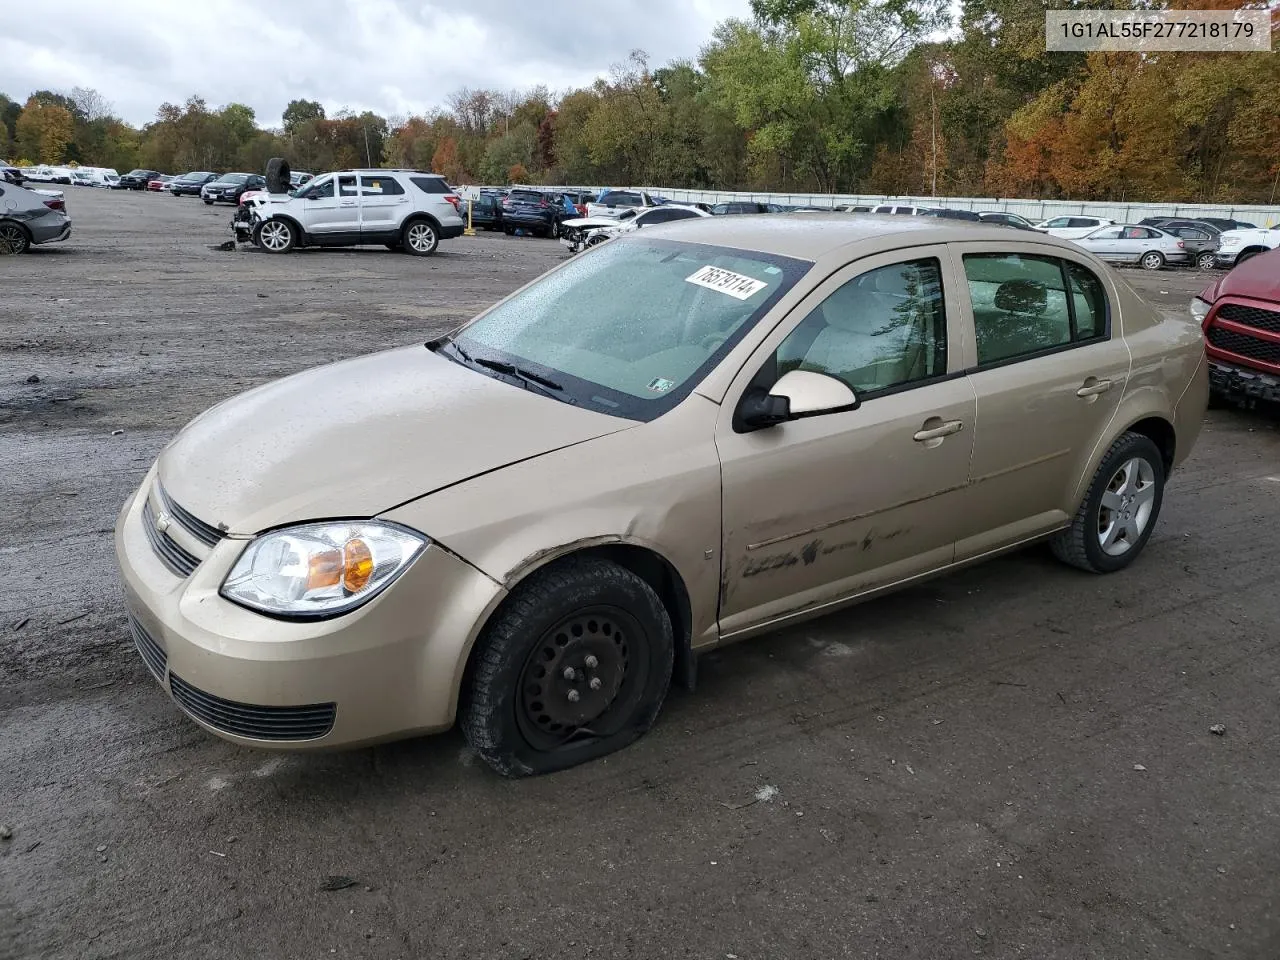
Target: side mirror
[800,393]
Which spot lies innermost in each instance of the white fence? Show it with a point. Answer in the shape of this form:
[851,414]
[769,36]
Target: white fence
[1033,210]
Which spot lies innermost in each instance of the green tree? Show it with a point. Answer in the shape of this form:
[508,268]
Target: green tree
[301,111]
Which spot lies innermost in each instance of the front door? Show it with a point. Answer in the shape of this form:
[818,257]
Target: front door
[820,509]
[331,208]
[383,202]
[1049,370]
[1104,244]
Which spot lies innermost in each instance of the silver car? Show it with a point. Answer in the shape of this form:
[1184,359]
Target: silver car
[1130,243]
[28,217]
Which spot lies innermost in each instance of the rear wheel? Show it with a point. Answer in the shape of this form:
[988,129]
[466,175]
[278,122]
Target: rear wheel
[1206,261]
[1120,510]
[574,666]
[275,236]
[420,238]
[13,238]
[1152,260]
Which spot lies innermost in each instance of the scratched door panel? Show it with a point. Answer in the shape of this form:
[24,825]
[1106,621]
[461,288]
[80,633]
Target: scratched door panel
[824,508]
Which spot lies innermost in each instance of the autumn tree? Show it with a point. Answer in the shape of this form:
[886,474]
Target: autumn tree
[43,131]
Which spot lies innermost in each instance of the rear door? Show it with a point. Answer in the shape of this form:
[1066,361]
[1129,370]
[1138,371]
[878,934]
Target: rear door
[1048,369]
[383,206]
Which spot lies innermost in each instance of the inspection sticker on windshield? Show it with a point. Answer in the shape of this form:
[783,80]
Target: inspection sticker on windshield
[726,281]
[661,384]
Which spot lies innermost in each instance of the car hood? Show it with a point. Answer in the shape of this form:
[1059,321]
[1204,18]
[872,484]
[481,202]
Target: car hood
[356,438]
[1257,278]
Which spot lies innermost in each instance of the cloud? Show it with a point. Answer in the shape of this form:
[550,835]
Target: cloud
[390,56]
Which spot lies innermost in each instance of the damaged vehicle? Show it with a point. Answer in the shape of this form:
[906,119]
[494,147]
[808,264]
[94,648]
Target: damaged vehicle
[29,217]
[697,433]
[406,210]
[582,232]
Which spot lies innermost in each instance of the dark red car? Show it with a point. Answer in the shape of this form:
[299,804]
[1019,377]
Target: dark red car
[1241,317]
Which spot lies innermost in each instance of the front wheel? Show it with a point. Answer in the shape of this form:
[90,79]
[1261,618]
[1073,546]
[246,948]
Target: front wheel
[1120,510]
[420,239]
[575,665]
[1152,261]
[275,236]
[1245,256]
[209,202]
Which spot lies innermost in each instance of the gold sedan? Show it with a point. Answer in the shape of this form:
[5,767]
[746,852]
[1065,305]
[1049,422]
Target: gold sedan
[681,438]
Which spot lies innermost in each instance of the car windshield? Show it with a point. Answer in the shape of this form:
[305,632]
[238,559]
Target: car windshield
[233,178]
[631,327]
[196,175]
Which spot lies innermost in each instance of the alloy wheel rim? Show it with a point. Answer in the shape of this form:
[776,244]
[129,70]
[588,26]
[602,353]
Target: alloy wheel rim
[1126,508]
[11,240]
[583,679]
[420,236]
[1151,260]
[275,236]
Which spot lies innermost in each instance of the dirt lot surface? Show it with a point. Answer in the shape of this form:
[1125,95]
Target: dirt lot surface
[1013,762]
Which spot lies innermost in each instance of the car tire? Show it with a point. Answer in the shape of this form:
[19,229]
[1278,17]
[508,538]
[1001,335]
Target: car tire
[278,175]
[581,616]
[595,240]
[554,232]
[275,236]
[209,202]
[1206,261]
[420,238]
[1152,260]
[1119,511]
[14,238]
[1248,255]
[509,231]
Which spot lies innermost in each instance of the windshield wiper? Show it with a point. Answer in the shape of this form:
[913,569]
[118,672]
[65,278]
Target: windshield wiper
[528,377]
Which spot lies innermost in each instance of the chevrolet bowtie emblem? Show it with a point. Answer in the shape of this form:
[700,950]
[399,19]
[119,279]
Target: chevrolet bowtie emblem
[163,521]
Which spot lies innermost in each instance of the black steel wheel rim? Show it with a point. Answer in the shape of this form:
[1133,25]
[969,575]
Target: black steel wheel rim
[583,680]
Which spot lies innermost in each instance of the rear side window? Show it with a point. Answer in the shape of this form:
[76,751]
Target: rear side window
[1021,307]
[380,186]
[431,184]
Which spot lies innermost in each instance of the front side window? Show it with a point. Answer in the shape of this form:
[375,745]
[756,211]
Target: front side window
[1112,233]
[881,330]
[631,327]
[347,186]
[1021,307]
[321,190]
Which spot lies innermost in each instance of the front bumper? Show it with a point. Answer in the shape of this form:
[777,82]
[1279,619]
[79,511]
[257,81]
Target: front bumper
[1240,383]
[1225,258]
[388,669]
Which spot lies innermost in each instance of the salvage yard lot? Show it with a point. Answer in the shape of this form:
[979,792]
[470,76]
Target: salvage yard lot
[1012,762]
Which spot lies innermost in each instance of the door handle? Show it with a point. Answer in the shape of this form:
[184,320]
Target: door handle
[928,433]
[1094,387]
[348,203]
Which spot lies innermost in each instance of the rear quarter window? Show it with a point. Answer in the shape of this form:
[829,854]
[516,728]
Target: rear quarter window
[431,184]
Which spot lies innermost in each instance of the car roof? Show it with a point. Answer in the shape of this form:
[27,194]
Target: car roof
[813,236]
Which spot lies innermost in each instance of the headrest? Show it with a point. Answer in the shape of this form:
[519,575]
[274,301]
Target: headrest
[1022,296]
[856,309]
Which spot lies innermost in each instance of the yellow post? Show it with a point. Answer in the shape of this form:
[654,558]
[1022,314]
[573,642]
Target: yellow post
[470,231]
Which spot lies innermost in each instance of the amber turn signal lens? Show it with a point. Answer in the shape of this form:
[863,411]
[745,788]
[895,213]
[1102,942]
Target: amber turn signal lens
[324,570]
[357,565]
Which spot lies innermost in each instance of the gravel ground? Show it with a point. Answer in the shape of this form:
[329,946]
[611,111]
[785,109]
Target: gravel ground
[1012,762]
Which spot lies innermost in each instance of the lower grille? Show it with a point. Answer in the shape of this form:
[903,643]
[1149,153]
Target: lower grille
[1243,345]
[152,653]
[167,549]
[1268,320]
[308,722]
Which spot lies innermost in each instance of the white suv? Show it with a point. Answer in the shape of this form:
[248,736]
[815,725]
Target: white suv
[405,210]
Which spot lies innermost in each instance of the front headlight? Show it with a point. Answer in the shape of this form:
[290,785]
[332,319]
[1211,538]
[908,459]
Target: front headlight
[321,569]
[1200,309]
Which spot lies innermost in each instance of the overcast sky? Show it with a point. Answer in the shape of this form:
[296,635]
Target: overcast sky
[390,56]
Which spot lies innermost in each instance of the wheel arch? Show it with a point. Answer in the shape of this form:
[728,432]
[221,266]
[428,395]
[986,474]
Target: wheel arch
[1154,424]
[418,215]
[641,559]
[300,234]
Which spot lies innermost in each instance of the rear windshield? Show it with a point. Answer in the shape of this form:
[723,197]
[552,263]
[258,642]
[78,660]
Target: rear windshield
[622,200]
[431,184]
[528,196]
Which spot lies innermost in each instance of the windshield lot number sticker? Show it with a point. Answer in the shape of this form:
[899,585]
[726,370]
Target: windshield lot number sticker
[661,384]
[726,281]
